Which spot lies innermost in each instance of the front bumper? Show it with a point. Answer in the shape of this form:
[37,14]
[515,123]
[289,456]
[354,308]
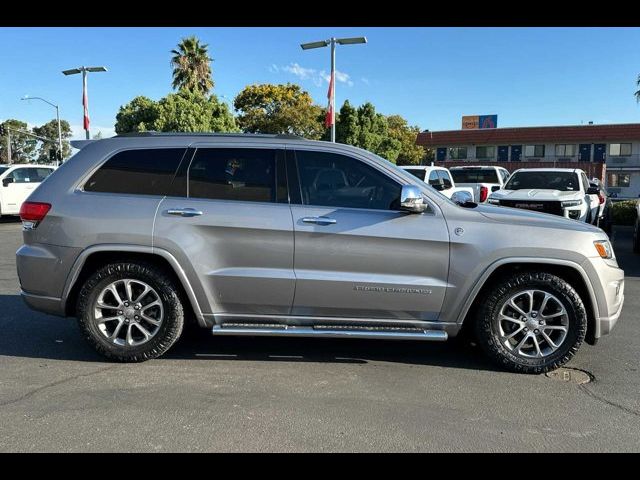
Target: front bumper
[607,323]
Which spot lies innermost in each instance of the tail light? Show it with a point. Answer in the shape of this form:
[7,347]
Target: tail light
[601,198]
[32,213]
[484,193]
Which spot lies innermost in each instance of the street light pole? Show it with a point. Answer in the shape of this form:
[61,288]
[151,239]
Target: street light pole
[27,97]
[332,83]
[85,98]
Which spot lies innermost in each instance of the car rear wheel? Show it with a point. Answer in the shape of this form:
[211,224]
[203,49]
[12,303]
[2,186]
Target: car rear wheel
[130,312]
[531,322]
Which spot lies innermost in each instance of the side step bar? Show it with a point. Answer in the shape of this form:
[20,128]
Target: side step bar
[331,332]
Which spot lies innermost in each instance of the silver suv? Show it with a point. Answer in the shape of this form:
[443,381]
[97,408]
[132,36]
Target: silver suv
[275,235]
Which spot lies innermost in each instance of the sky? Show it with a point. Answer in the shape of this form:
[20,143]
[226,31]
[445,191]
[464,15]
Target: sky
[431,76]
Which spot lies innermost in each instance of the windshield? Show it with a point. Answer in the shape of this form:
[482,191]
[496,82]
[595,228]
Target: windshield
[562,181]
[3,169]
[475,175]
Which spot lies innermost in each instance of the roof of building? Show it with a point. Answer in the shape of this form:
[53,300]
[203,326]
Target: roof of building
[510,136]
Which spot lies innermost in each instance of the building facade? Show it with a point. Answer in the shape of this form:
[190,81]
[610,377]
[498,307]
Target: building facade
[608,152]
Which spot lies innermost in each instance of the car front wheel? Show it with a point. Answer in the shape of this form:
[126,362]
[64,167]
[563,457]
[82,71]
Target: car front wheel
[531,322]
[130,312]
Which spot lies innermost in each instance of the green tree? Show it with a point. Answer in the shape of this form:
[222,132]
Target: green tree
[50,130]
[279,109]
[410,153]
[139,115]
[192,66]
[347,126]
[177,112]
[192,112]
[22,146]
[373,133]
[637,94]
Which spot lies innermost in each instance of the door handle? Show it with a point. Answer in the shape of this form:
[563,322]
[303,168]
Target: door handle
[320,220]
[183,212]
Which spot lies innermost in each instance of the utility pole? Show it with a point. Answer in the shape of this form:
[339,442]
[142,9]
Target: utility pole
[85,98]
[8,147]
[332,82]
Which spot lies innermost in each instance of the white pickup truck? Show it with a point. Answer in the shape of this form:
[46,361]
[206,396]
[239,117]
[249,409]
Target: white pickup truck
[439,178]
[482,179]
[560,191]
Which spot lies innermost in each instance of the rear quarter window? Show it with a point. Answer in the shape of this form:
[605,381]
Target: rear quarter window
[141,171]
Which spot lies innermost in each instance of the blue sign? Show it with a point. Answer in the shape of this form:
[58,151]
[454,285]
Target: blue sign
[488,121]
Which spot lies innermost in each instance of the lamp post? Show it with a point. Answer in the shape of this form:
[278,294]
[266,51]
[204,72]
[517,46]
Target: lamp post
[85,99]
[332,82]
[27,97]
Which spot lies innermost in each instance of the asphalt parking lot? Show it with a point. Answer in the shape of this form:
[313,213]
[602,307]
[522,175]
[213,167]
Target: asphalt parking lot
[265,394]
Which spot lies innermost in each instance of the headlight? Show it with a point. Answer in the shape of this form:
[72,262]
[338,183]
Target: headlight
[493,201]
[572,203]
[604,248]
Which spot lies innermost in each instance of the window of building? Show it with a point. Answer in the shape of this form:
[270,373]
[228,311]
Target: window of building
[619,149]
[534,151]
[142,171]
[485,152]
[242,174]
[333,180]
[458,153]
[564,150]
[618,179]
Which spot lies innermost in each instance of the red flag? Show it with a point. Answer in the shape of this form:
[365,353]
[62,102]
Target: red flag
[328,120]
[85,102]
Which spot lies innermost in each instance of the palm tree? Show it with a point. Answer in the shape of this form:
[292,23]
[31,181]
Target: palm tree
[192,66]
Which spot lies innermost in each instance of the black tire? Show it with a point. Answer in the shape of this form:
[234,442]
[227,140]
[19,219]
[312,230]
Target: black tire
[487,322]
[169,330]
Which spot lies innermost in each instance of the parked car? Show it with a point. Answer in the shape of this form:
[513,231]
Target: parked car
[636,230]
[439,178]
[482,179]
[605,211]
[276,235]
[559,191]
[17,182]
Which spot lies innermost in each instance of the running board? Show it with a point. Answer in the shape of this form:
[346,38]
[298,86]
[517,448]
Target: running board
[340,331]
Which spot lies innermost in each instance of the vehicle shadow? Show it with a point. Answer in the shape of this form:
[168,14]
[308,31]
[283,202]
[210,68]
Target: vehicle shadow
[29,334]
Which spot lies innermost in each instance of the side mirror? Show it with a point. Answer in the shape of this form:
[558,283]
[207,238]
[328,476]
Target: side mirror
[461,197]
[411,199]
[7,181]
[593,190]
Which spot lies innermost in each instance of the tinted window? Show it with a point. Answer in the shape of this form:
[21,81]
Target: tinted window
[563,181]
[416,172]
[333,180]
[3,169]
[144,172]
[433,178]
[233,174]
[475,175]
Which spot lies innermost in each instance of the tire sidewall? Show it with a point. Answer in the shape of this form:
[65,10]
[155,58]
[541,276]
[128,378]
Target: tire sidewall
[169,330]
[488,322]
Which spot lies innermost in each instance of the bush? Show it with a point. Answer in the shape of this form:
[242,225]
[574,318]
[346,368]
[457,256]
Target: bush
[624,213]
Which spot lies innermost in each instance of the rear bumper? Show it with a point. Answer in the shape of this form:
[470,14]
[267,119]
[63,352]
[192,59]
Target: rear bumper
[50,305]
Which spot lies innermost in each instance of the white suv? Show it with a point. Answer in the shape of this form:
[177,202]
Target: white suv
[17,181]
[560,191]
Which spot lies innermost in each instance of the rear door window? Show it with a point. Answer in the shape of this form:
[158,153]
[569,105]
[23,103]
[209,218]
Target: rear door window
[141,171]
[242,174]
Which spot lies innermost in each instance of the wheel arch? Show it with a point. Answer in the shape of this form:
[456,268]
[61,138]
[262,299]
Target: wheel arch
[569,271]
[95,256]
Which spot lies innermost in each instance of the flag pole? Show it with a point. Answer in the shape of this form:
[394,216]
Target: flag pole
[333,89]
[85,102]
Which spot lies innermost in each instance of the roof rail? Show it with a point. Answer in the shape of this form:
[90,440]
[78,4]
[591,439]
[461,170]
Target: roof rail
[207,134]
[80,144]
